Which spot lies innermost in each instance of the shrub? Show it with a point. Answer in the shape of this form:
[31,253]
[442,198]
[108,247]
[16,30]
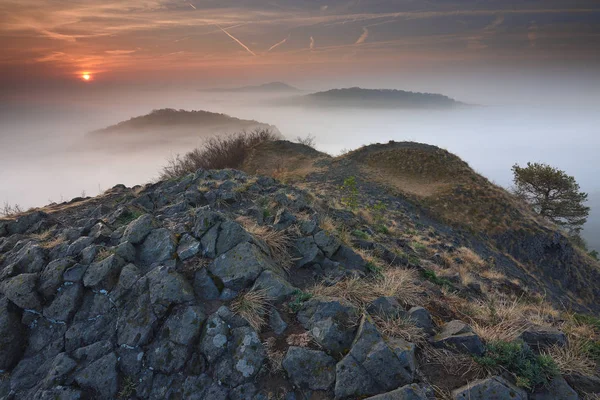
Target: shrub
[350,193]
[299,297]
[217,153]
[8,211]
[530,370]
[309,140]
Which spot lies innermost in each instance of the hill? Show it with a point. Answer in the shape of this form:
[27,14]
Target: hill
[375,98]
[391,272]
[182,121]
[272,87]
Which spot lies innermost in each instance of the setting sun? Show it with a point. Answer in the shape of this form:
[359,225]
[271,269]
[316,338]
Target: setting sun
[86,77]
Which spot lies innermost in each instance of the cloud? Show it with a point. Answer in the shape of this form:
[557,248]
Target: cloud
[193,6]
[55,55]
[278,44]
[495,23]
[532,34]
[312,43]
[237,41]
[363,37]
[119,52]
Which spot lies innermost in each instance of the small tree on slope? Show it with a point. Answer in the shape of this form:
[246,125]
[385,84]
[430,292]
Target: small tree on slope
[553,194]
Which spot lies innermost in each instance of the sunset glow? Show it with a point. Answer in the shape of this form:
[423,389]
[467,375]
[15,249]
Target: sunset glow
[86,77]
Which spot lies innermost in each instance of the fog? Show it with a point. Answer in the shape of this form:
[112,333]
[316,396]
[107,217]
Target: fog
[46,154]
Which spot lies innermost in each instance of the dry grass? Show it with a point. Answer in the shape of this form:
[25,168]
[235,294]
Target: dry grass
[301,340]
[279,242]
[505,330]
[252,306]
[453,363]
[10,211]
[327,224]
[354,290]
[493,275]
[103,254]
[217,153]
[573,358]
[274,356]
[400,327]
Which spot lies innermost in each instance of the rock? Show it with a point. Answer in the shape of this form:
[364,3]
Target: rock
[21,290]
[136,321]
[100,232]
[30,258]
[59,393]
[61,366]
[52,276]
[138,229]
[540,338]
[309,369]
[557,389]
[308,227]
[385,307]
[244,358]
[77,246]
[284,219]
[349,259]
[240,266]
[12,335]
[214,338]
[231,234]
[205,220]
[24,222]
[408,392]
[327,242]
[104,274]
[168,287]
[130,274]
[495,388]
[88,354]
[65,304]
[243,392]
[276,287]
[204,286]
[331,323]
[75,273]
[126,251]
[458,336]
[385,367]
[583,383]
[184,324]
[188,247]
[422,319]
[208,243]
[158,246]
[101,376]
[166,357]
[307,252]
[276,323]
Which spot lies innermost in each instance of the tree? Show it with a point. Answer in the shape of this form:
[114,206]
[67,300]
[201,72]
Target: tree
[553,194]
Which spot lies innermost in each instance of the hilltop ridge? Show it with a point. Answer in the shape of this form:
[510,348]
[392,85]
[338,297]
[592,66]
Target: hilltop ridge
[393,271]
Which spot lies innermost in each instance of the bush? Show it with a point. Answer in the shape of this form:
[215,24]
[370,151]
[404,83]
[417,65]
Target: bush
[530,370]
[217,153]
[309,141]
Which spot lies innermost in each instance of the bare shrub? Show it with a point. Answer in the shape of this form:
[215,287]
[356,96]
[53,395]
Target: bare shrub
[275,357]
[308,140]
[8,210]
[217,153]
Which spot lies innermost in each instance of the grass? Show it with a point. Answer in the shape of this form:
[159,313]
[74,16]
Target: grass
[360,234]
[576,357]
[104,253]
[8,210]
[128,216]
[274,357]
[128,387]
[252,306]
[279,242]
[400,327]
[217,153]
[432,277]
[529,369]
[299,298]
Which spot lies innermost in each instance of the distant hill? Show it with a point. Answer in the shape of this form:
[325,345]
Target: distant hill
[183,121]
[375,98]
[591,231]
[272,87]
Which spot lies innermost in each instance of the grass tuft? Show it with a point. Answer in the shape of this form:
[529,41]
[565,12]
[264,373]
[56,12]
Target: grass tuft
[252,306]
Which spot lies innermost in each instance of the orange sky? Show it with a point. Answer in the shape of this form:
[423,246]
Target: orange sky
[140,40]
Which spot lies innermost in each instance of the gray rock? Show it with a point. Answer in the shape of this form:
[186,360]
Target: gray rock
[77,246]
[30,258]
[89,254]
[540,337]
[188,247]
[557,389]
[138,229]
[240,266]
[308,227]
[284,219]
[204,220]
[208,243]
[100,232]
[387,366]
[130,274]
[101,376]
[349,259]
[88,354]
[385,307]
[184,324]
[214,339]
[307,252]
[584,383]
[12,335]
[136,321]
[168,287]
[59,393]
[65,304]
[85,332]
[61,366]
[228,294]
[309,369]
[52,276]
[327,242]
[231,234]
[458,336]
[21,290]
[276,287]
[276,323]
[495,388]
[130,360]
[422,319]
[126,251]
[332,323]
[204,286]
[104,274]
[75,273]
[24,222]
[166,357]
[196,387]
[408,392]
[158,246]
[243,392]
[247,357]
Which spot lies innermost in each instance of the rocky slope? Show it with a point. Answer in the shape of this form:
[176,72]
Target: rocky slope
[226,285]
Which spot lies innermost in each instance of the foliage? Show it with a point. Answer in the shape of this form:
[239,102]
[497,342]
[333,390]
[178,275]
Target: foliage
[350,193]
[127,216]
[594,255]
[217,153]
[360,234]
[553,194]
[530,370]
[379,209]
[373,268]
[433,278]
[299,297]
[309,140]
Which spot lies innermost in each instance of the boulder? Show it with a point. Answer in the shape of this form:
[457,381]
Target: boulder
[65,304]
[422,319]
[158,246]
[276,323]
[31,258]
[12,335]
[557,389]
[408,392]
[188,247]
[214,338]
[276,287]
[168,287]
[385,307]
[327,242]
[583,383]
[184,324]
[77,246]
[104,274]
[458,336]
[165,356]
[309,369]
[543,337]
[21,290]
[138,229]
[52,276]
[230,235]
[136,321]
[204,286]
[204,220]
[306,252]
[101,377]
[495,388]
[240,266]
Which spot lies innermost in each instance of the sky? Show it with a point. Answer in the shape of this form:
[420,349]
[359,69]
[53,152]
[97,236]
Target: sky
[51,44]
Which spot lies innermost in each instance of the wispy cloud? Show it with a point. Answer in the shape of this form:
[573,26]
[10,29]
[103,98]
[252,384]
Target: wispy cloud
[237,41]
[363,37]
[532,34]
[119,52]
[312,43]
[193,6]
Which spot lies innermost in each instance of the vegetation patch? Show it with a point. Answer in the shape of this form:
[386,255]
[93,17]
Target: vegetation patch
[299,298]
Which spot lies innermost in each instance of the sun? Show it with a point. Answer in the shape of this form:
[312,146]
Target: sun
[86,76]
